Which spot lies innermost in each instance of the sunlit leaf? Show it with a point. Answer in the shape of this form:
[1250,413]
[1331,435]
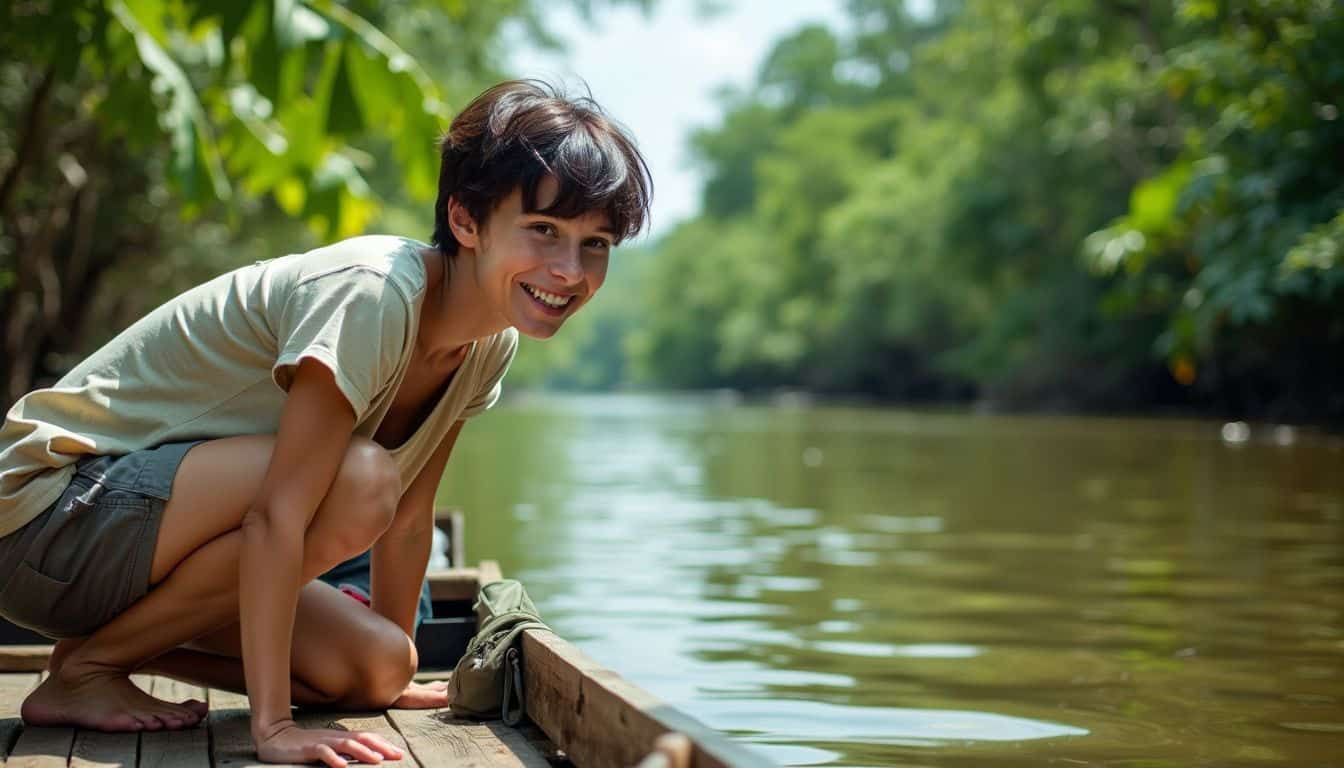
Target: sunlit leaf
[193,148]
[343,113]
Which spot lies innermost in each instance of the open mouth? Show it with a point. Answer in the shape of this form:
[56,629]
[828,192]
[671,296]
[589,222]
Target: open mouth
[552,303]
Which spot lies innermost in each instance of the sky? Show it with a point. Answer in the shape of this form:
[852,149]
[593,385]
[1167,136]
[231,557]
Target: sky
[658,73]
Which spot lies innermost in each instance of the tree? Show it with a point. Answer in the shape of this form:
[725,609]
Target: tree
[1236,241]
[1049,203]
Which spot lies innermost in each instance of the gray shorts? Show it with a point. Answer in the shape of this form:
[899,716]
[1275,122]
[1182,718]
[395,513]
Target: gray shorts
[86,558]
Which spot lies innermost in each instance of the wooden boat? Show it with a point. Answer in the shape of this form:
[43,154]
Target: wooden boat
[578,712]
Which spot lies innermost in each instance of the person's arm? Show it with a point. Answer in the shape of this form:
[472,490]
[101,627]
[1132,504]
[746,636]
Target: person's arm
[316,424]
[401,554]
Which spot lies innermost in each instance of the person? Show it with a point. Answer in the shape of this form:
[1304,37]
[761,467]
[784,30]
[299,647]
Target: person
[166,505]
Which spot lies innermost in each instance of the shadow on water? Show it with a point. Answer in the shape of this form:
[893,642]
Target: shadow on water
[874,587]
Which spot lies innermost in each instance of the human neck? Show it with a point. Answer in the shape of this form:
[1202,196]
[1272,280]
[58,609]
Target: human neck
[454,313]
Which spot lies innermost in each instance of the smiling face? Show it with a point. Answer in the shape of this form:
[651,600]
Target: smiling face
[535,270]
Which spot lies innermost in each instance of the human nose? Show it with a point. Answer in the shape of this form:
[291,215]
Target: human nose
[567,266]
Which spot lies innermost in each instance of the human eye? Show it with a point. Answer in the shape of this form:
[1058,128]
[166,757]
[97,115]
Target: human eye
[542,228]
[600,243]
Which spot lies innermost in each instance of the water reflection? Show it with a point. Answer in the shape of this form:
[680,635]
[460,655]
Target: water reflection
[867,587]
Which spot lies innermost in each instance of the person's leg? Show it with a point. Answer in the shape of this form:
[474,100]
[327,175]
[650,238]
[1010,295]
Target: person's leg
[194,577]
[354,576]
[343,655]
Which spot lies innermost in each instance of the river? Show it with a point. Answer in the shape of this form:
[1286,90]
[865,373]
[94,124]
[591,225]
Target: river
[863,586]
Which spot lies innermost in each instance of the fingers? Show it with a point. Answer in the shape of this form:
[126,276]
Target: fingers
[384,747]
[328,756]
[364,747]
[335,754]
[355,749]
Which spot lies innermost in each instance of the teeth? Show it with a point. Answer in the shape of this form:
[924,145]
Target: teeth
[550,299]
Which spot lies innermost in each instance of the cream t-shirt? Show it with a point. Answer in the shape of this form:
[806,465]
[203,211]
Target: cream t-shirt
[217,360]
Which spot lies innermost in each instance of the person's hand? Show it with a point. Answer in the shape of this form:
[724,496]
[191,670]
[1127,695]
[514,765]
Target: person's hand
[288,743]
[431,695]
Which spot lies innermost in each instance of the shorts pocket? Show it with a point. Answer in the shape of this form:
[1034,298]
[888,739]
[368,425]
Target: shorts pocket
[57,551]
[37,601]
[82,568]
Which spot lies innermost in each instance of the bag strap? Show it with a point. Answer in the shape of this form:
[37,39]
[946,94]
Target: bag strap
[513,678]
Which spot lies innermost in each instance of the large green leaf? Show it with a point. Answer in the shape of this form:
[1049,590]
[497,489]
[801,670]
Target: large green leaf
[344,117]
[194,154]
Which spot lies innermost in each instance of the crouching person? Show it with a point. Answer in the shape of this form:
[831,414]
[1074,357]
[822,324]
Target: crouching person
[167,506]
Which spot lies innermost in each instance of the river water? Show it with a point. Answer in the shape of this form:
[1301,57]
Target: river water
[863,587]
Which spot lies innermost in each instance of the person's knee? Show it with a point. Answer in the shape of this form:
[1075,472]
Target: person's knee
[383,670]
[368,472]
[364,496]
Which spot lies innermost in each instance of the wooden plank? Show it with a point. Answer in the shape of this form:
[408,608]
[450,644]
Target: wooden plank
[603,721]
[42,748]
[24,658]
[143,682]
[457,538]
[222,699]
[489,571]
[671,750]
[537,738]
[95,749]
[189,747]
[176,691]
[14,688]
[231,744]
[230,730]
[439,740]
[454,584]
[428,675]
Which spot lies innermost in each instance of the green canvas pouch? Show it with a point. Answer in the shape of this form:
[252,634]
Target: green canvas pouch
[488,678]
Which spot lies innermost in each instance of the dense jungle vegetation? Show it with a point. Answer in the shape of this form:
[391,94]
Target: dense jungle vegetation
[1132,204]
[1050,204]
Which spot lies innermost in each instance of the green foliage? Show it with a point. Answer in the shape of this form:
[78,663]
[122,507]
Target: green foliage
[1237,234]
[267,96]
[1054,202]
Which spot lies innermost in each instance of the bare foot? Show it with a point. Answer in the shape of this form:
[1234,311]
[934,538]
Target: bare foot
[64,647]
[104,700]
[431,695]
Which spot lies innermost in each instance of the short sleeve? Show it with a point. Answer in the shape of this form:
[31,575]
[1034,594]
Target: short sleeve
[496,365]
[354,322]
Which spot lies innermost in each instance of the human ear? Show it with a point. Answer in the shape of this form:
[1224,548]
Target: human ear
[463,225]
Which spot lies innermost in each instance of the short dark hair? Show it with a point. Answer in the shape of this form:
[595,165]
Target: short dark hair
[519,132]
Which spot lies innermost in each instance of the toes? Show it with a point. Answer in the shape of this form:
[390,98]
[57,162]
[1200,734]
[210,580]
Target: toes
[176,713]
[175,717]
[148,721]
[171,720]
[123,722]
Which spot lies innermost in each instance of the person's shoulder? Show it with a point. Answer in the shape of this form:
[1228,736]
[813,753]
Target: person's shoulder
[395,259]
